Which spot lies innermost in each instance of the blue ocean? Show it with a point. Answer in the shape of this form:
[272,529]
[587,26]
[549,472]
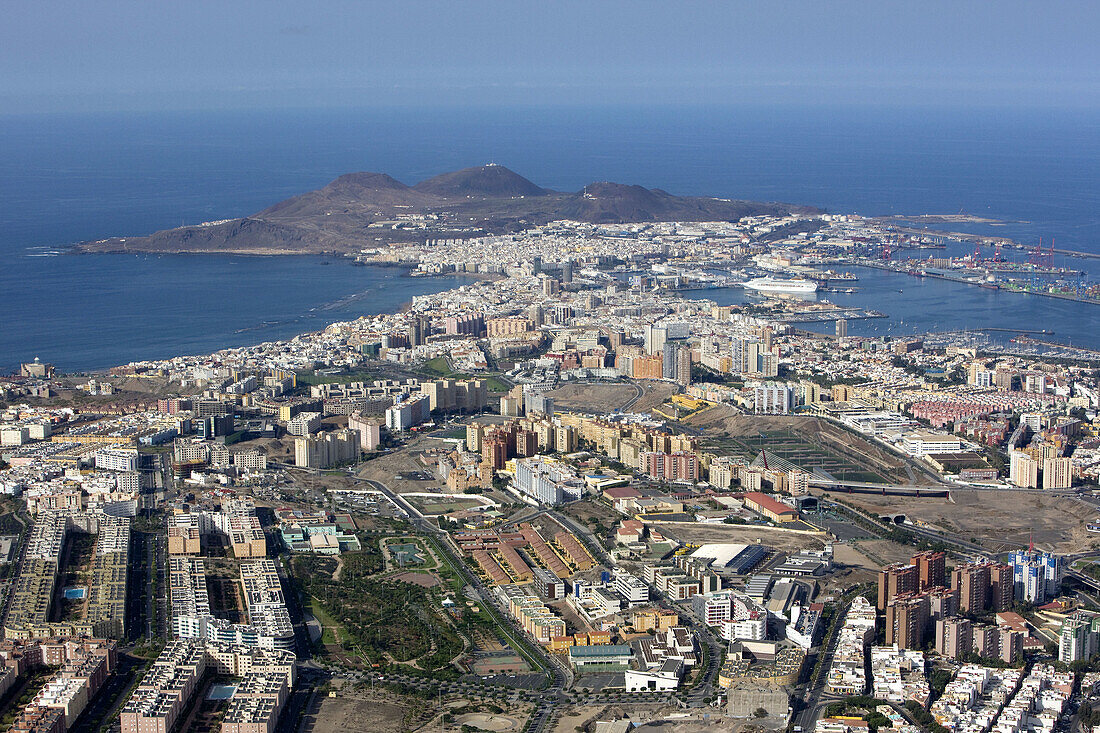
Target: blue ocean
[68,178]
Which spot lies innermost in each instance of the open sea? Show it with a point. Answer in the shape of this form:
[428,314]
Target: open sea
[68,178]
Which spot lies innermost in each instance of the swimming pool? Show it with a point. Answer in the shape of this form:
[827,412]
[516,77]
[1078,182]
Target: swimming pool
[74,594]
[221,692]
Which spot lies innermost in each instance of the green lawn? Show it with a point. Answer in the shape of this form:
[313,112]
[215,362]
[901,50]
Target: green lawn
[328,623]
[495,384]
[438,365]
[311,378]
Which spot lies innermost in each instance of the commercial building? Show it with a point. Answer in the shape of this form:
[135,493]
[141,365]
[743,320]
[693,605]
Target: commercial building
[921,443]
[632,589]
[319,532]
[735,615]
[603,657]
[774,510]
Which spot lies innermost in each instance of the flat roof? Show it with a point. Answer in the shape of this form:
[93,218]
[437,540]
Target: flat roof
[723,553]
[601,650]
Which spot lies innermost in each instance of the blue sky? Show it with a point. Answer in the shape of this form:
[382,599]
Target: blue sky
[110,54]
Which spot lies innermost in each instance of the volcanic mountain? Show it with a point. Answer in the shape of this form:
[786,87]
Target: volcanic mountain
[487,181]
[367,210]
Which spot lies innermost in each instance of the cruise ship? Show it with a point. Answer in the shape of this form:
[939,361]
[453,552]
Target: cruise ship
[777,285]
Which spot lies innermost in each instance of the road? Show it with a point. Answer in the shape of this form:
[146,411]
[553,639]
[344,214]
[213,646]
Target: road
[815,698]
[631,402]
[928,534]
[559,674]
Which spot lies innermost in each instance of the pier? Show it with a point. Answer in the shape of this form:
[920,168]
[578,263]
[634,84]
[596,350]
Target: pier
[848,314]
[981,283]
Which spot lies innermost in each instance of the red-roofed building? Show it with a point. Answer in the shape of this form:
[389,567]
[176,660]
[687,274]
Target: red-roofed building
[630,531]
[619,496]
[774,510]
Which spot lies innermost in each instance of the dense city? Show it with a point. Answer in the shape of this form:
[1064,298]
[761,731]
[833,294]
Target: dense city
[572,494]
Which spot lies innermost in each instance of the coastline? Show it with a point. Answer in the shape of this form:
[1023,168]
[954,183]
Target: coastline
[161,306]
[964,281]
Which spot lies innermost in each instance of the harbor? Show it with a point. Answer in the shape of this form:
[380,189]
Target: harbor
[986,279]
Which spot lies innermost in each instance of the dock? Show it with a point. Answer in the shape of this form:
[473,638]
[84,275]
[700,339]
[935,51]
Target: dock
[848,314]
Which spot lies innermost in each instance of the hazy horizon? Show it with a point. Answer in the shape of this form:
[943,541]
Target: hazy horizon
[117,55]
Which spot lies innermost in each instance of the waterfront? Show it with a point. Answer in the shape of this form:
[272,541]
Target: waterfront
[96,311]
[67,178]
[920,305]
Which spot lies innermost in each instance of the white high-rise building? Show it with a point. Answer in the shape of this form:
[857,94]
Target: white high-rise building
[117,459]
[773,398]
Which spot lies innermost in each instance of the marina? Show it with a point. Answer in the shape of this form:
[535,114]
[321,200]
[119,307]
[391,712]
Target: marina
[847,314]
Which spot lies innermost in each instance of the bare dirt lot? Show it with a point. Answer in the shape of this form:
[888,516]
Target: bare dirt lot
[656,393]
[382,711]
[403,470]
[697,533]
[587,509]
[853,567]
[597,398]
[486,721]
[1008,518]
[379,714]
[601,398]
[878,553]
[579,716]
